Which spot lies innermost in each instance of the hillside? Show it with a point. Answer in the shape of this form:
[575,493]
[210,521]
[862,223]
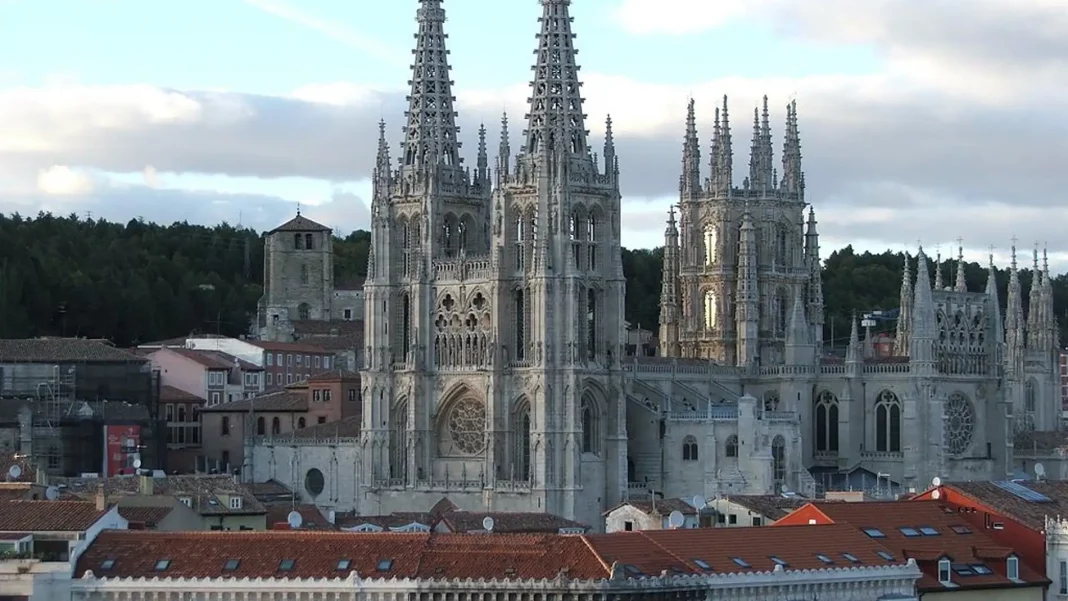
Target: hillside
[140,281]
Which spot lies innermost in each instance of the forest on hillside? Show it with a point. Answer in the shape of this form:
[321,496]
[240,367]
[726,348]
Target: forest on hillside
[139,281]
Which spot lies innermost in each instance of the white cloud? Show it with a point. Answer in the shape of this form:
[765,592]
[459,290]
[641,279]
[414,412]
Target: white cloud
[150,176]
[60,180]
[680,17]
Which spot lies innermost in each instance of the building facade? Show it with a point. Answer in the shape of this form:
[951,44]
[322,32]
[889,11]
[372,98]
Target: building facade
[495,362]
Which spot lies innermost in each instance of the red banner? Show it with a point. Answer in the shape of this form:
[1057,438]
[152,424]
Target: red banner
[122,445]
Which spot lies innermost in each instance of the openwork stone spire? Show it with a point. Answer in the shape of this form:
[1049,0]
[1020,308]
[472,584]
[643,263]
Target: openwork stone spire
[995,303]
[922,340]
[761,168]
[383,175]
[793,179]
[430,136]
[670,312]
[1034,304]
[722,153]
[690,184]
[555,116]
[1014,320]
[904,316]
[960,285]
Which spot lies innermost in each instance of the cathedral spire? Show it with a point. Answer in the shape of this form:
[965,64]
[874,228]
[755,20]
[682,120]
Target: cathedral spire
[922,334]
[483,158]
[1034,304]
[430,137]
[723,156]
[904,315]
[690,183]
[995,301]
[761,167]
[383,176]
[1015,335]
[960,285]
[853,353]
[556,98]
[793,178]
[670,312]
[504,152]
[938,284]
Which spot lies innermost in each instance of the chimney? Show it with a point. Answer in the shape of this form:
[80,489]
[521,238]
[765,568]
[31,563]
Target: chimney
[101,500]
[148,485]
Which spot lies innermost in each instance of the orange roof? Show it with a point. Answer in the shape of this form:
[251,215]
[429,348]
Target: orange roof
[149,516]
[927,532]
[135,553]
[48,516]
[798,547]
[170,394]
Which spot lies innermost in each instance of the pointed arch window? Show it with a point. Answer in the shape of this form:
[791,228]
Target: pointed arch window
[778,461]
[590,426]
[406,329]
[520,238]
[689,449]
[781,314]
[461,235]
[304,311]
[711,238]
[406,248]
[782,245]
[732,445]
[519,324]
[825,422]
[591,324]
[261,426]
[888,423]
[522,443]
[1029,396]
[398,442]
[711,310]
[591,240]
[276,426]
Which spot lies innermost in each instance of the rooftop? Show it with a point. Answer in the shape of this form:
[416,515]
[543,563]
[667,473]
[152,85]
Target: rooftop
[659,507]
[63,350]
[313,554]
[48,516]
[300,223]
[312,518]
[208,495]
[772,507]
[1026,502]
[289,347]
[278,401]
[927,531]
[348,427]
[214,359]
[149,516]
[170,394]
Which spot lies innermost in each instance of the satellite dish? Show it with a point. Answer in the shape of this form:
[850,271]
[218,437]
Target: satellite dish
[1040,471]
[676,519]
[699,502]
[137,464]
[936,481]
[487,524]
[14,472]
[936,494]
[51,493]
[295,519]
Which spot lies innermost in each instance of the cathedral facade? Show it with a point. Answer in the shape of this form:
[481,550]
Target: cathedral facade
[494,369]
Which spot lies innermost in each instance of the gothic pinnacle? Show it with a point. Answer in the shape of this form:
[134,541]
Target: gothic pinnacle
[960,285]
[556,99]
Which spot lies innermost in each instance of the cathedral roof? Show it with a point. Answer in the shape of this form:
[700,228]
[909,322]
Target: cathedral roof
[300,223]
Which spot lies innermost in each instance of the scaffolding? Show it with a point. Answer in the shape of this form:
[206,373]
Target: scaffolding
[54,399]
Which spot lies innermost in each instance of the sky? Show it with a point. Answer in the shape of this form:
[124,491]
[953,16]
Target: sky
[922,121]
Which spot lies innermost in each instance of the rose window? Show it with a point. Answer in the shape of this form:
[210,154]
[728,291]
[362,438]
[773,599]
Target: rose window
[467,427]
[960,423]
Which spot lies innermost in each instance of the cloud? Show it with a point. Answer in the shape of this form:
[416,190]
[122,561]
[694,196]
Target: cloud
[957,135]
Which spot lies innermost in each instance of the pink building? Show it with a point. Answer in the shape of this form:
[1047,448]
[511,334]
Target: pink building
[214,376]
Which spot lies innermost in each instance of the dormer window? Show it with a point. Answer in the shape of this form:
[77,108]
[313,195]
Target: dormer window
[945,573]
[235,502]
[1012,567]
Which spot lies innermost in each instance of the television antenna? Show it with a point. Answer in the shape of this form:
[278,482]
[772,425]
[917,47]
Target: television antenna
[676,519]
[294,519]
[51,493]
[14,472]
[487,524]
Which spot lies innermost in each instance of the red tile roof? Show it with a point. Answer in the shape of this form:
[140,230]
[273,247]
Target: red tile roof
[772,507]
[1029,513]
[285,400]
[317,555]
[170,394]
[312,518]
[149,516]
[653,551]
[48,516]
[508,522]
[960,545]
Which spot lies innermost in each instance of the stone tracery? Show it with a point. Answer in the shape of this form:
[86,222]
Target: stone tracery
[463,430]
[462,334]
[960,423]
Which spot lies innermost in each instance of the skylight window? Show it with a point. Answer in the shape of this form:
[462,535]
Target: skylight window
[162,565]
[107,564]
[231,565]
[929,531]
[704,565]
[961,529]
[385,565]
[741,562]
[910,532]
[961,569]
[778,561]
[344,564]
[874,533]
[851,557]
[886,555]
[824,559]
[981,569]
[287,565]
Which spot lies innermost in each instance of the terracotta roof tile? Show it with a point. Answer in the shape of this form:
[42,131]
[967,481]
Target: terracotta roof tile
[653,551]
[63,350]
[385,522]
[335,375]
[660,507]
[278,401]
[149,516]
[29,471]
[207,493]
[890,518]
[313,519]
[509,522]
[48,516]
[317,555]
[1029,513]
